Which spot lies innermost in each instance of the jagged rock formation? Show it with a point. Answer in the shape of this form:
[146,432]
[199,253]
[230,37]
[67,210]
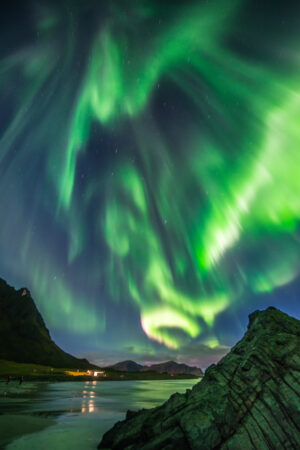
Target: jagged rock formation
[23,333]
[249,400]
[170,367]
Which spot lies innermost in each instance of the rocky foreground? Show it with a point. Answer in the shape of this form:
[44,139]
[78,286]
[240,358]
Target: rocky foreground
[249,400]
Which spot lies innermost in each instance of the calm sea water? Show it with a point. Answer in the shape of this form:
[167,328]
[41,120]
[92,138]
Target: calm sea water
[40,416]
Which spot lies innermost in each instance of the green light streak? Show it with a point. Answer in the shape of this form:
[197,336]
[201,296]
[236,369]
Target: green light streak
[269,196]
[132,237]
[112,89]
[156,325]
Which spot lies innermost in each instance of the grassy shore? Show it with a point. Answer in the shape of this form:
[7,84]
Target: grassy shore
[46,373]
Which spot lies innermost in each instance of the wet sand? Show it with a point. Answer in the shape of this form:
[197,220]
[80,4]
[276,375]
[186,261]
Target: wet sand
[45,416]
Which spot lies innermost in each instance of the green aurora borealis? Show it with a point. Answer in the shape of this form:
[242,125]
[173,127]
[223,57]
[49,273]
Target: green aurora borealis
[150,167]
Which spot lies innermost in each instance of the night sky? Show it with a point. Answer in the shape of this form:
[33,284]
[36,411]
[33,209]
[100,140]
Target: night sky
[150,170]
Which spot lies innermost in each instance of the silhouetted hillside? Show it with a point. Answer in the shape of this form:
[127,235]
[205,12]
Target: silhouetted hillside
[127,366]
[23,333]
[170,367]
[175,368]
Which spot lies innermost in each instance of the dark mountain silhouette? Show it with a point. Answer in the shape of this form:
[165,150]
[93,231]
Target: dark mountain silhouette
[249,400]
[170,367]
[175,368]
[23,333]
[127,366]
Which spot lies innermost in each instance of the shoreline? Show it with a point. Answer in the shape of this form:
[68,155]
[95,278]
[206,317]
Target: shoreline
[34,372]
[53,415]
[3,380]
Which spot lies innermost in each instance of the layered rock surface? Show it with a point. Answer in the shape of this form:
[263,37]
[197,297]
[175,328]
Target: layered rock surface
[249,400]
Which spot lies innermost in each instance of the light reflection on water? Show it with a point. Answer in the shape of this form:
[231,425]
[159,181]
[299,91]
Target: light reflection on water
[78,413]
[88,403]
[88,396]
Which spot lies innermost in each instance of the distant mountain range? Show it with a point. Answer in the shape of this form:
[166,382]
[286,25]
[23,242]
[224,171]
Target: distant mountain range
[23,334]
[170,367]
